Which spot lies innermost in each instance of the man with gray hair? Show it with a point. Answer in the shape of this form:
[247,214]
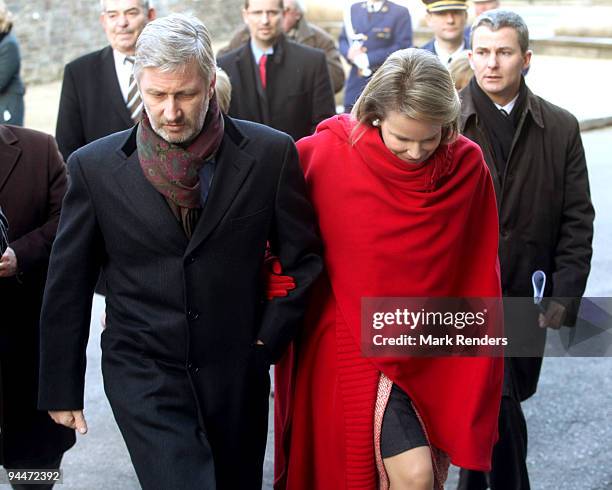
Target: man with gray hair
[99,96]
[177,211]
[535,155]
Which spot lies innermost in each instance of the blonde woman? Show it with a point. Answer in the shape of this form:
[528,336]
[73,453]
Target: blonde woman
[12,88]
[405,208]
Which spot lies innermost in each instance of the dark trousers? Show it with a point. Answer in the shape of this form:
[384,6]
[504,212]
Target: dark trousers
[509,467]
[38,464]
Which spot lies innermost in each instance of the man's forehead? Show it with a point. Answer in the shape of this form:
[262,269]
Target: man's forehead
[505,36]
[121,5]
[265,4]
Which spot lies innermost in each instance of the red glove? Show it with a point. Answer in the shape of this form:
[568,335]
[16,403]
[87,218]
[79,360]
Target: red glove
[276,285]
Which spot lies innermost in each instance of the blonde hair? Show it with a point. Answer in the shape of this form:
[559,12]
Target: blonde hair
[461,71]
[6,18]
[223,88]
[414,83]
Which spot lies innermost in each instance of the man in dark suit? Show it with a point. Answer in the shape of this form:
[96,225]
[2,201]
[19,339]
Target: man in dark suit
[189,340]
[95,99]
[32,185]
[535,155]
[275,81]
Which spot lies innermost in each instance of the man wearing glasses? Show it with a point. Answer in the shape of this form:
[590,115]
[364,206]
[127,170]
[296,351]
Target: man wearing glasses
[276,81]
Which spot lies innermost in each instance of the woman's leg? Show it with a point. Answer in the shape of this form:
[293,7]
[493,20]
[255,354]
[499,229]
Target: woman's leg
[410,470]
[404,447]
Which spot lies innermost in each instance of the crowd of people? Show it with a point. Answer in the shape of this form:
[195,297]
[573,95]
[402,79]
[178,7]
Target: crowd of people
[236,220]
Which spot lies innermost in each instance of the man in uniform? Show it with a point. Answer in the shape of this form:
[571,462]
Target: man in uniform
[447,19]
[534,152]
[299,30]
[373,29]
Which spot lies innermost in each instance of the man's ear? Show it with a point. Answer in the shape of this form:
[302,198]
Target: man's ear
[470,60]
[213,85]
[151,14]
[527,59]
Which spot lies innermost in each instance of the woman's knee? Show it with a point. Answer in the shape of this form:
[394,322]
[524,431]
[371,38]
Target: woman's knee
[411,470]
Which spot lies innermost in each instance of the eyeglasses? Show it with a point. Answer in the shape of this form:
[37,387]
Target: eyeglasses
[266,13]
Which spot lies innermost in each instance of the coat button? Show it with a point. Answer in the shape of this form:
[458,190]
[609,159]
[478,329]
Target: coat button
[505,234]
[193,315]
[191,259]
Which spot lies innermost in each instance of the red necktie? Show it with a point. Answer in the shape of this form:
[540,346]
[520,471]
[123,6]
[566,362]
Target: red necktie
[262,70]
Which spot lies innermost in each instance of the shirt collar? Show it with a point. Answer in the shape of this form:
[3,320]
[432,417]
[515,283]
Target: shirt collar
[509,106]
[374,5]
[258,52]
[444,55]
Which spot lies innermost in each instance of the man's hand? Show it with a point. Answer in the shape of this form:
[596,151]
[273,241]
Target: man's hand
[72,419]
[8,263]
[554,316]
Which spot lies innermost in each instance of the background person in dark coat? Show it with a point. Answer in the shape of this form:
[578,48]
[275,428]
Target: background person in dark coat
[93,101]
[534,152]
[293,92]
[188,339]
[32,185]
[12,88]
[299,30]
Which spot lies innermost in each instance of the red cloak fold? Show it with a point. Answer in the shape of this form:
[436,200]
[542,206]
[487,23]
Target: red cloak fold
[390,229]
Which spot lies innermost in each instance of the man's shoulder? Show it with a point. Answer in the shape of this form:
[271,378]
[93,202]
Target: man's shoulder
[257,134]
[300,53]
[86,61]
[395,8]
[429,46]
[101,151]
[231,55]
[553,114]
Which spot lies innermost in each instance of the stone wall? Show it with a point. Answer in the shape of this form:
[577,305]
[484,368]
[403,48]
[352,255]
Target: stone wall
[54,32]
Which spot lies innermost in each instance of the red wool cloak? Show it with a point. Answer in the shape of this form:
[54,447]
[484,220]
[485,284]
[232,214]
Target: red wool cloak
[396,230]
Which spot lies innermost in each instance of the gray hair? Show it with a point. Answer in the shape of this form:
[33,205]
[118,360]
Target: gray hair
[299,5]
[169,43]
[498,19]
[414,83]
[145,4]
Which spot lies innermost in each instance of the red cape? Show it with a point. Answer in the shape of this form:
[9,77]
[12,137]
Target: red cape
[389,229]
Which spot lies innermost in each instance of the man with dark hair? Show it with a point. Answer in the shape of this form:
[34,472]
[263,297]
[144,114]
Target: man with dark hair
[275,81]
[99,95]
[447,20]
[189,339]
[534,152]
[299,30]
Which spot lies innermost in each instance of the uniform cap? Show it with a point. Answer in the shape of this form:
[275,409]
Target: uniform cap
[441,5]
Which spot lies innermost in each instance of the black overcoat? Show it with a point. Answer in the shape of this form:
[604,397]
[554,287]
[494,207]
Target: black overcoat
[298,93]
[32,185]
[180,367]
[545,214]
[91,104]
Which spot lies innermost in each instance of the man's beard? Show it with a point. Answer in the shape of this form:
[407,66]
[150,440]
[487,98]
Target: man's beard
[191,132]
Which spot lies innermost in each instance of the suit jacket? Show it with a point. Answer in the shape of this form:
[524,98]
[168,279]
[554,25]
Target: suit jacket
[32,185]
[298,94]
[195,305]
[545,213]
[309,35]
[91,104]
[12,88]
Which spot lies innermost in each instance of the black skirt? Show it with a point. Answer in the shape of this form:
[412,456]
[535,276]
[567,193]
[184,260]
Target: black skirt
[401,429]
